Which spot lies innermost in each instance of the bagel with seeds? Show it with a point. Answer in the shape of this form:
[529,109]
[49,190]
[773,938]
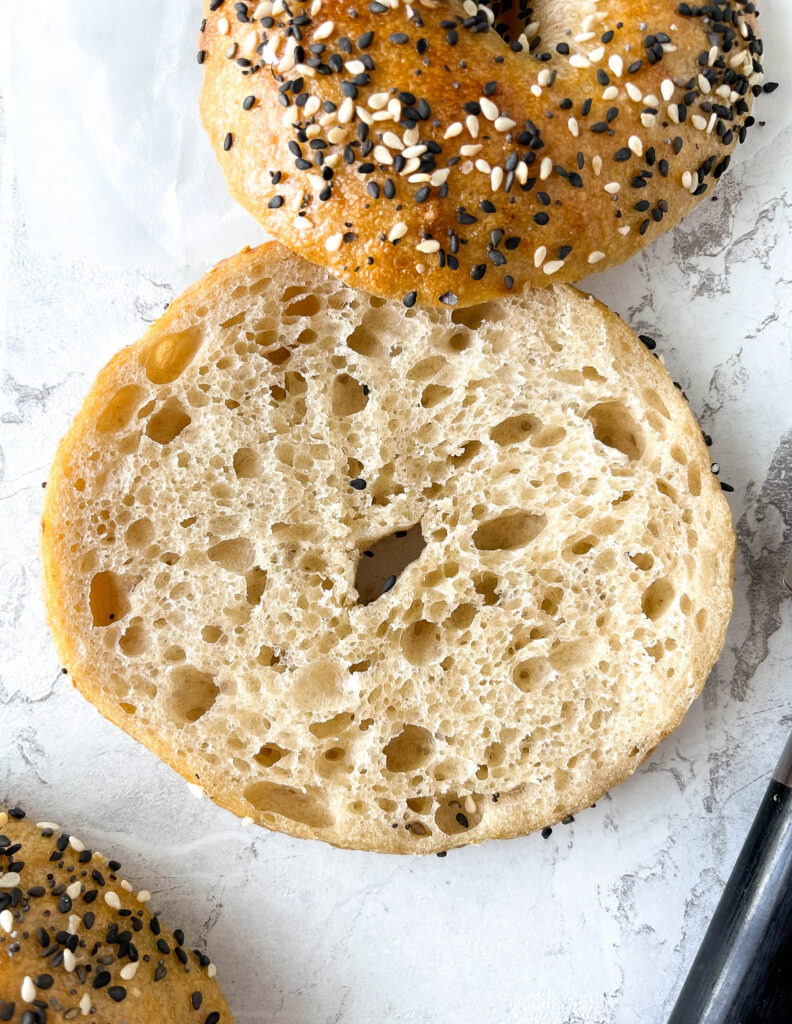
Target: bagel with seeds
[397,579]
[448,153]
[77,941]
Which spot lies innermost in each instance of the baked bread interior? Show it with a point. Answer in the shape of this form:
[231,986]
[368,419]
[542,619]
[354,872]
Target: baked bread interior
[401,580]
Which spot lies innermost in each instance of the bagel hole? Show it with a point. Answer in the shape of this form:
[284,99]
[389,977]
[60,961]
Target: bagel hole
[380,564]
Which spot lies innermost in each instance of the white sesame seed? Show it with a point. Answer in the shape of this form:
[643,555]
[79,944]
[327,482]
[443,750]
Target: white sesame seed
[648,120]
[7,921]
[472,125]
[595,257]
[394,109]
[223,27]
[412,151]
[333,243]
[74,923]
[336,135]
[466,167]
[539,255]
[355,67]
[144,896]
[595,56]
[553,266]
[666,89]
[411,136]
[126,886]
[128,971]
[577,60]
[625,230]
[496,178]
[633,92]
[74,890]
[263,10]
[312,105]
[428,246]
[211,971]
[699,122]
[453,130]
[687,179]
[543,78]
[651,100]
[324,30]
[673,113]
[503,124]
[313,130]
[410,167]
[483,166]
[470,805]
[440,176]
[9,880]
[75,844]
[469,8]
[382,155]
[39,824]
[668,48]
[399,230]
[196,790]
[713,119]
[521,174]
[346,111]
[392,140]
[536,90]
[70,961]
[378,100]
[488,108]
[635,145]
[85,1004]
[616,64]
[704,84]
[28,989]
[112,900]
[584,37]
[610,93]
[545,168]
[612,187]
[596,164]
[572,125]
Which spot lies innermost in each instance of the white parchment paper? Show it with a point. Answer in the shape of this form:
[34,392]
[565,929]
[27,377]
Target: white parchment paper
[112,163]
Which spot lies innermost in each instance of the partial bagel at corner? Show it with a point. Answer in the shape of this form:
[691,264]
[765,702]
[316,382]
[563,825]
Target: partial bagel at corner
[401,580]
[448,153]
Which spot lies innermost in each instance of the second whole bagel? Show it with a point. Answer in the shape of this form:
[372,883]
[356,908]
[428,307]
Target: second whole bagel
[447,153]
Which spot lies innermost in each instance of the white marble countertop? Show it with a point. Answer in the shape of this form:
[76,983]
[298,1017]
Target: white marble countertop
[599,922]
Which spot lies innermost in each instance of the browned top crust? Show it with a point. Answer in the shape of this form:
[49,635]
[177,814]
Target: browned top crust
[448,152]
[78,942]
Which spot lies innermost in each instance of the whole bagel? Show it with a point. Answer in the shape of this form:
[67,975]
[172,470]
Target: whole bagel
[78,942]
[448,152]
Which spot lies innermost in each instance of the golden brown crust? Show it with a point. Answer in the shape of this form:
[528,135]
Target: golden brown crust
[544,166]
[76,940]
[511,814]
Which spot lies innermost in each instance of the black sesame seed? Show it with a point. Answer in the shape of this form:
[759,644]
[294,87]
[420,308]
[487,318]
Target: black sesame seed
[449,298]
[228,142]
[102,979]
[358,484]
[117,993]
[546,833]
[409,301]
[389,584]
[462,820]
[201,56]
[214,1018]
[248,102]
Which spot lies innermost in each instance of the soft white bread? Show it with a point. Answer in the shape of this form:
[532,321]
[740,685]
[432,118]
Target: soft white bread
[397,579]
[449,152]
[78,942]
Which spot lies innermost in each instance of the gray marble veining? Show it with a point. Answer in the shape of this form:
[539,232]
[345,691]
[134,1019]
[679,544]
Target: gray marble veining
[599,922]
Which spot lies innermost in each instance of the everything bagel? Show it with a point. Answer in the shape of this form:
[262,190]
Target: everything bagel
[448,152]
